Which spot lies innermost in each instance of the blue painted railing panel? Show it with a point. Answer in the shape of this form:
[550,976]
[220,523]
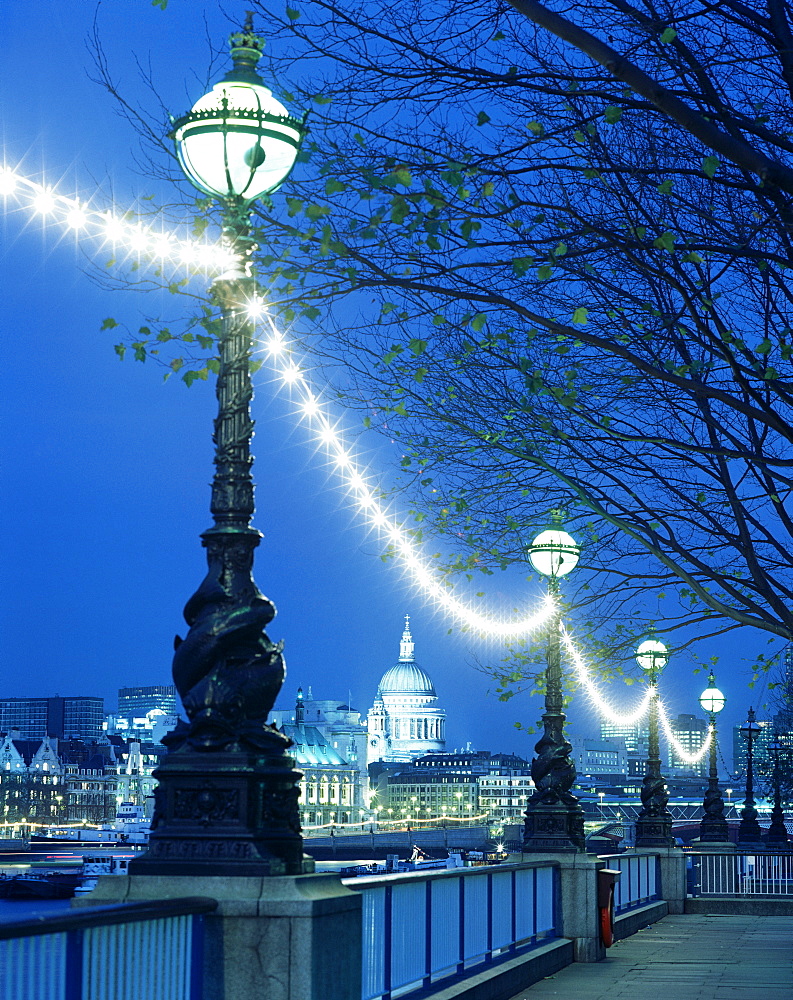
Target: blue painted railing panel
[638,883]
[422,929]
[107,953]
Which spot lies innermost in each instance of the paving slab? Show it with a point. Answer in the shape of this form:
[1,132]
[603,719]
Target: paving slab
[685,957]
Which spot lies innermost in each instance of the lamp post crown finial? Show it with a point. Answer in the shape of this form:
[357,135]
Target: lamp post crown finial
[246,51]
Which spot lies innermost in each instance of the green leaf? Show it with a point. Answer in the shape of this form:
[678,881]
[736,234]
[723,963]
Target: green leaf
[108,324]
[521,265]
[399,209]
[487,189]
[764,346]
[665,188]
[710,165]
[292,14]
[419,374]
[478,322]
[612,114]
[332,186]
[482,118]
[668,35]
[403,176]
[120,350]
[581,316]
[418,347]
[692,258]
[536,127]
[544,272]
[367,422]
[315,212]
[666,241]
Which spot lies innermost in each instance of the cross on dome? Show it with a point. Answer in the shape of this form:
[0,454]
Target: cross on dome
[406,646]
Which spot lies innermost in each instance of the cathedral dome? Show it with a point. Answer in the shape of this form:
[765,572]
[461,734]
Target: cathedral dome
[406,677]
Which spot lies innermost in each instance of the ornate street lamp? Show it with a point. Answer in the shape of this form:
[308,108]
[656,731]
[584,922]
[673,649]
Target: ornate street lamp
[226,803]
[654,822]
[713,829]
[554,817]
[749,832]
[777,835]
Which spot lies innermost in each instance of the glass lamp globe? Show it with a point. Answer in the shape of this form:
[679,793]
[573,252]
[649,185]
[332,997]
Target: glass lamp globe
[751,728]
[554,552]
[711,699]
[652,654]
[238,142]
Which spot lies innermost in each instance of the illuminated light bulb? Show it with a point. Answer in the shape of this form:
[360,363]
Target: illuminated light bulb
[356,482]
[343,460]
[188,254]
[327,435]
[221,259]
[254,308]
[162,247]
[275,345]
[290,374]
[115,229]
[76,218]
[44,202]
[310,407]
[138,239]
[8,181]
[366,500]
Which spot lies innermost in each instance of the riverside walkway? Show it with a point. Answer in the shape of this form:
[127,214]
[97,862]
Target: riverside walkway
[685,957]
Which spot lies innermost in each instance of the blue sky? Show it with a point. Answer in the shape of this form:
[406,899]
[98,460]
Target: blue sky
[104,469]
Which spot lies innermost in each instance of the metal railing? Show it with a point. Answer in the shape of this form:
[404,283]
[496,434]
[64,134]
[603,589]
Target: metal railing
[420,929]
[151,949]
[742,874]
[639,881]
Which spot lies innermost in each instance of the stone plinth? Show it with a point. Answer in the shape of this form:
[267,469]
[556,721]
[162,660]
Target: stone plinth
[578,903]
[283,938]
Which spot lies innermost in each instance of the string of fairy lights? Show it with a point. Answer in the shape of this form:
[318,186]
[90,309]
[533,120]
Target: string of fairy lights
[123,231]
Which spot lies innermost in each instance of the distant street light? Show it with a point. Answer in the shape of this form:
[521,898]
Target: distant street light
[601,796]
[749,831]
[777,836]
[713,829]
[237,144]
[554,817]
[654,822]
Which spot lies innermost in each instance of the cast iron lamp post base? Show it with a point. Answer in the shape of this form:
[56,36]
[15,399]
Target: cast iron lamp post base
[235,814]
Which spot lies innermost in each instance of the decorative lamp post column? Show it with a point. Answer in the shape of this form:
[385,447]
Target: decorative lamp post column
[654,822]
[226,803]
[554,817]
[713,829]
[777,836]
[749,832]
